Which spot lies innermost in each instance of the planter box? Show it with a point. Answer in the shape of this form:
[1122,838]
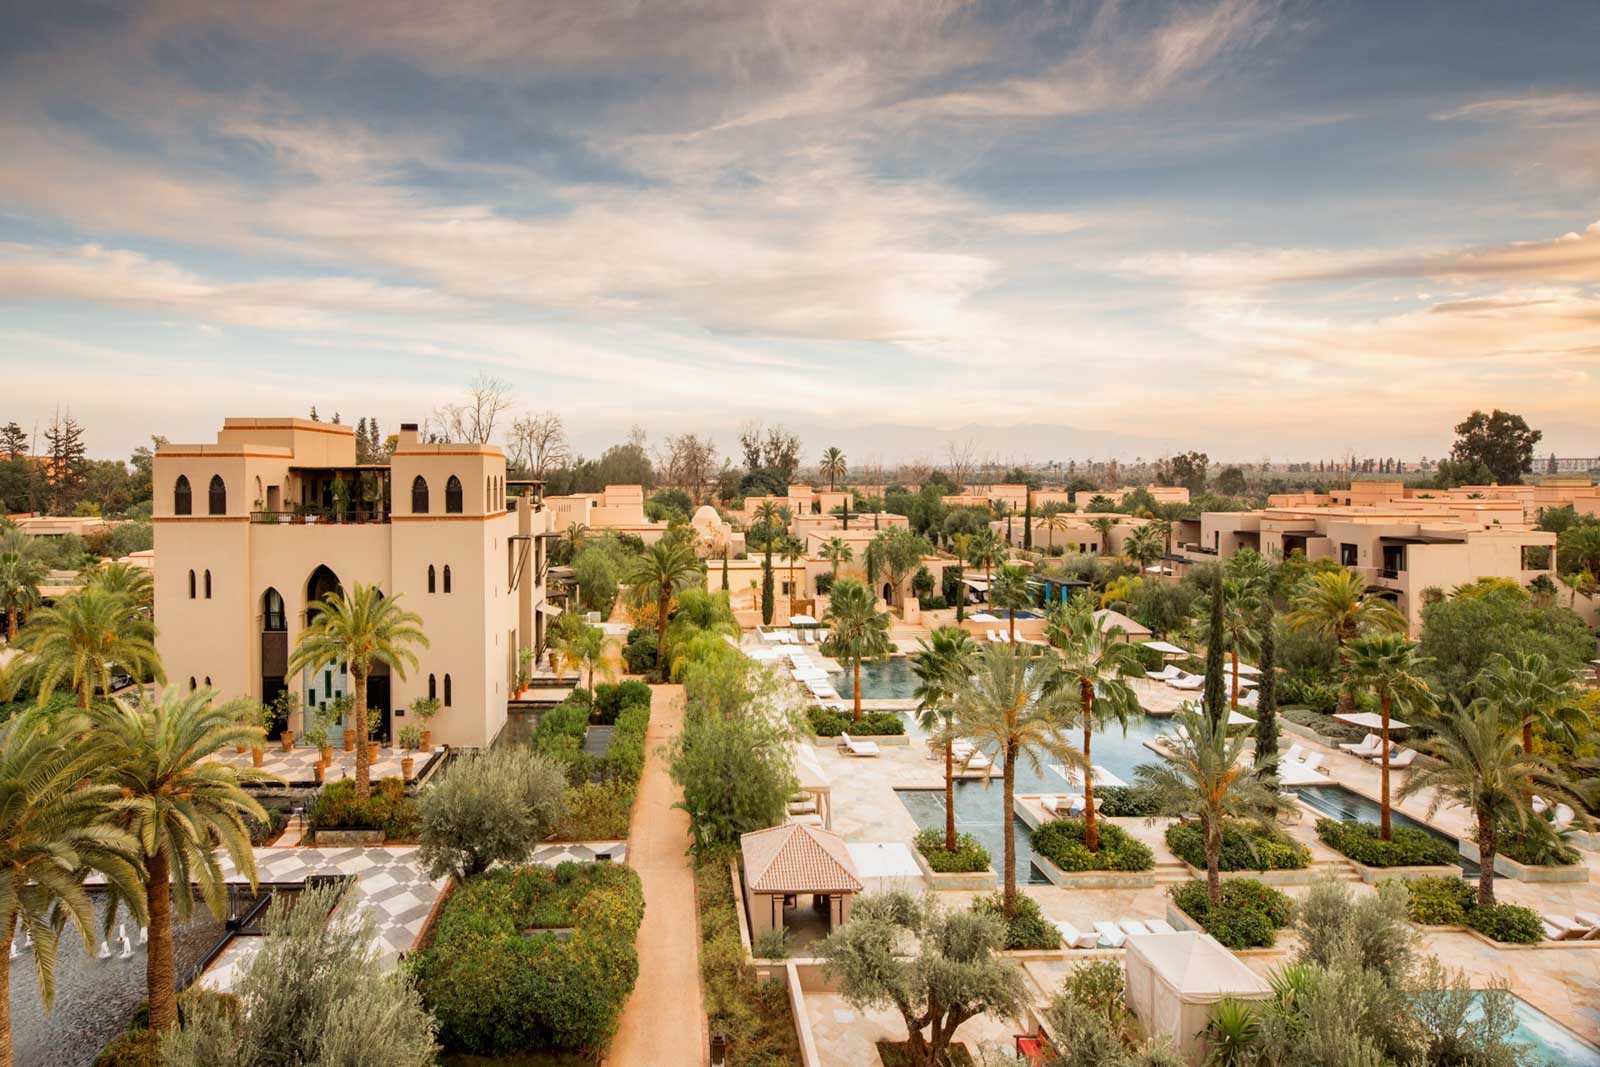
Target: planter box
[1094,879]
[1374,875]
[1308,733]
[1507,867]
[972,880]
[1181,920]
[348,838]
[1303,876]
[1585,839]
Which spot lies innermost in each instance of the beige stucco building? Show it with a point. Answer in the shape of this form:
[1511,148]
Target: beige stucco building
[276,513]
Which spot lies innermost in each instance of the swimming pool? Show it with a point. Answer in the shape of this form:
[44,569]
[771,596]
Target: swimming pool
[1552,1043]
[1346,805]
[890,679]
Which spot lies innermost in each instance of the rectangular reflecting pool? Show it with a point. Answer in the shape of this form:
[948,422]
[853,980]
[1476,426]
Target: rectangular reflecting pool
[890,679]
[1346,805]
[979,813]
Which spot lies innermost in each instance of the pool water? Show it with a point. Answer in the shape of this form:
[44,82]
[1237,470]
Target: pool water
[1343,804]
[890,679]
[1552,1043]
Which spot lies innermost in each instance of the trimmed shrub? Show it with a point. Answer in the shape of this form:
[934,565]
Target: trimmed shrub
[596,811]
[968,857]
[1317,697]
[1439,901]
[610,699]
[1061,841]
[826,723]
[1249,915]
[1127,801]
[499,981]
[640,652]
[753,1014]
[1246,846]
[1535,846]
[1323,724]
[132,1048]
[336,807]
[1027,929]
[1410,846]
[1511,924]
[262,832]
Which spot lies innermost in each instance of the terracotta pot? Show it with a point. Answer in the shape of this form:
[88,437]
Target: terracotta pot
[257,755]
[350,739]
[288,740]
[427,740]
[327,755]
[239,749]
[372,752]
[319,770]
[407,765]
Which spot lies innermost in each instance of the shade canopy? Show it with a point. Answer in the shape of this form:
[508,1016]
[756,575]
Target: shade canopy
[1244,668]
[1368,720]
[1166,648]
[1175,979]
[1235,719]
[802,620]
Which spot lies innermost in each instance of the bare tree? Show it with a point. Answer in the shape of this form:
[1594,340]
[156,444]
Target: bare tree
[688,461]
[539,443]
[959,455]
[472,420]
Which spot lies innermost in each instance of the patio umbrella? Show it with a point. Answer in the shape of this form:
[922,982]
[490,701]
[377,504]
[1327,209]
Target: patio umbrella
[1368,720]
[1166,648]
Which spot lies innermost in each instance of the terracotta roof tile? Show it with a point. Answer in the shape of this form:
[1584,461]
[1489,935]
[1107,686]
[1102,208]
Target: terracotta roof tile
[798,859]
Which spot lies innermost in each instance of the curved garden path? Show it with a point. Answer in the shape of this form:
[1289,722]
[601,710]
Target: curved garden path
[663,1022]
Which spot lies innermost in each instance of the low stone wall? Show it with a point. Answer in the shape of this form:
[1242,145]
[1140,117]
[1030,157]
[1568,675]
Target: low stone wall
[974,880]
[1301,876]
[1507,867]
[347,838]
[1374,875]
[1094,879]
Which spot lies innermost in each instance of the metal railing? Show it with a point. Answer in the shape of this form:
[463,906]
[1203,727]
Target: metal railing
[356,515]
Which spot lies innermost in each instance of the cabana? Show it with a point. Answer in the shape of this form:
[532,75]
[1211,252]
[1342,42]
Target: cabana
[886,865]
[1131,629]
[785,863]
[1175,979]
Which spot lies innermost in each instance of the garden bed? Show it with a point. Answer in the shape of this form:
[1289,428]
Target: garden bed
[1249,914]
[883,726]
[959,870]
[752,1012]
[336,817]
[1409,848]
[1266,852]
[1060,843]
[1523,872]
[1453,903]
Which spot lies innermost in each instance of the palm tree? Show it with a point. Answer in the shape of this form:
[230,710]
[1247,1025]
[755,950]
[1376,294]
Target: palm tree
[1579,550]
[574,537]
[667,568]
[80,639]
[832,467]
[583,645]
[983,550]
[359,630]
[1095,660]
[939,667]
[1482,767]
[1389,665]
[55,828]
[770,514]
[858,630]
[179,805]
[1144,546]
[1012,708]
[1579,582]
[837,551]
[1532,690]
[1010,591]
[1336,605]
[792,550]
[1105,524]
[1241,610]
[126,580]
[1204,773]
[22,571]
[1247,566]
[1054,522]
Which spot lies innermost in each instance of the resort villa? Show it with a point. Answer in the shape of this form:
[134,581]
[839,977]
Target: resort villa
[252,529]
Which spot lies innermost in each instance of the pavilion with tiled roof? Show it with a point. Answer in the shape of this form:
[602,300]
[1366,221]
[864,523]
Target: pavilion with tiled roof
[784,863]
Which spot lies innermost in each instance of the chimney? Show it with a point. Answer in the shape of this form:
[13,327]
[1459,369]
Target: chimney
[406,436]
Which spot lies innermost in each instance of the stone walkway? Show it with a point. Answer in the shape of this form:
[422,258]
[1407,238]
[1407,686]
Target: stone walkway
[664,1020]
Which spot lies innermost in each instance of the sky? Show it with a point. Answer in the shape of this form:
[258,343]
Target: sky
[1262,230]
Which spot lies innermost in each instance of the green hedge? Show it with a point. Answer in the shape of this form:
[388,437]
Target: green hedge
[1061,842]
[1326,725]
[1027,929]
[1454,902]
[601,810]
[609,699]
[1249,915]
[1127,801]
[969,856]
[389,809]
[1246,846]
[499,983]
[1534,849]
[751,1013]
[1410,846]
[825,723]
[1509,924]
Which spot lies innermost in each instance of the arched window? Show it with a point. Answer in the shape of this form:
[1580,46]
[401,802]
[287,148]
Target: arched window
[433,687]
[488,488]
[218,494]
[192,685]
[452,496]
[419,495]
[447,690]
[430,577]
[191,585]
[273,618]
[208,681]
[447,577]
[208,585]
[182,497]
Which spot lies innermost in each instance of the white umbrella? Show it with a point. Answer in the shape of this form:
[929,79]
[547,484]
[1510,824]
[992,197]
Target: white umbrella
[1166,647]
[1235,719]
[802,620]
[1368,720]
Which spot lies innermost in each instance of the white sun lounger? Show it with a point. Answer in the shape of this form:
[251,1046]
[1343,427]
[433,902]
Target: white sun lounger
[1563,928]
[1367,746]
[1293,755]
[1110,935]
[1073,937]
[1133,926]
[1188,682]
[1171,670]
[1159,926]
[1398,757]
[857,748]
[1592,921]
[1562,817]
[977,761]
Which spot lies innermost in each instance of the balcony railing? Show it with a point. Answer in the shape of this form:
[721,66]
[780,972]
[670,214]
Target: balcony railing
[355,515]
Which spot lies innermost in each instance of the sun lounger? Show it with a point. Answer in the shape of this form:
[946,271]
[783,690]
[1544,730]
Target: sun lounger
[1159,926]
[1563,928]
[993,637]
[1133,926]
[1072,937]
[1110,935]
[806,820]
[1051,804]
[1592,921]
[1398,757]
[1250,699]
[1188,682]
[1293,755]
[977,761]
[857,748]
[1367,746]
[1561,818]
[1171,670]
[802,807]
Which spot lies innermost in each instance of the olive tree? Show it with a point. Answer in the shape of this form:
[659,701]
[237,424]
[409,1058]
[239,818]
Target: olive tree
[492,806]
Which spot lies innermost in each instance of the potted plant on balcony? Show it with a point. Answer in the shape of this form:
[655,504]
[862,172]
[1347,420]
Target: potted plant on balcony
[341,497]
[524,671]
[425,708]
[284,710]
[410,740]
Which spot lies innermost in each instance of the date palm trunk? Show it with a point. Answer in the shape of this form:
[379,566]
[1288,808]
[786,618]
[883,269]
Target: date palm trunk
[1234,704]
[5,989]
[1384,832]
[1213,862]
[1091,829]
[949,797]
[1009,779]
[161,975]
[1488,849]
[857,694]
[358,687]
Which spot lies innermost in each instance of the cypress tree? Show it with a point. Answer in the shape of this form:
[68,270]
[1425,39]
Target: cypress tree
[1027,521]
[724,570]
[1267,692]
[766,593]
[1215,698]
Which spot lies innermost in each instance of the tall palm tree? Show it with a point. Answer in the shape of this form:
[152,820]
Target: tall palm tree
[837,551]
[1482,767]
[78,641]
[1579,582]
[770,514]
[1144,546]
[792,550]
[582,645]
[1105,524]
[832,467]
[1010,592]
[1055,522]
[180,806]
[55,829]
[574,538]
[1579,550]
[1336,605]
[983,550]
[1095,661]
[667,568]
[1204,773]
[857,629]
[22,571]
[1532,690]
[358,631]
[940,664]
[1013,708]
[1248,566]
[124,579]
[1241,615]
[1389,666]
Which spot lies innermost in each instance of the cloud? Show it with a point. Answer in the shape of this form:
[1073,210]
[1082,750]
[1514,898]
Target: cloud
[1539,110]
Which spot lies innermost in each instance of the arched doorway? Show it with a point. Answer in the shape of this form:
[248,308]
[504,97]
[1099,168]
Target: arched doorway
[331,681]
[274,647]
